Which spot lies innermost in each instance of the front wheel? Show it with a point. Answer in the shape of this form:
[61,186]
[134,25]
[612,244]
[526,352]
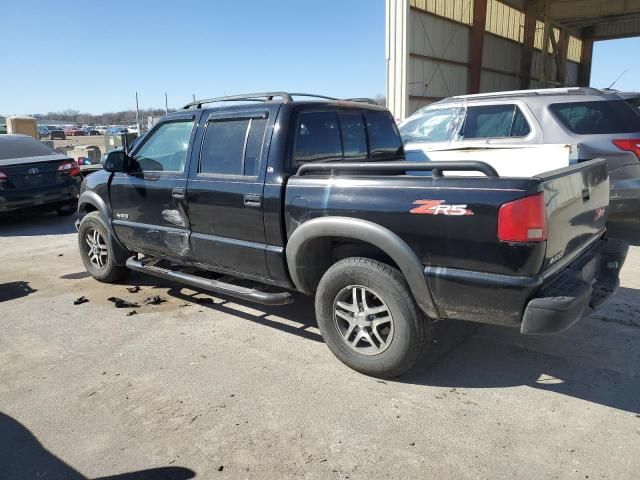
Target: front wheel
[96,250]
[369,319]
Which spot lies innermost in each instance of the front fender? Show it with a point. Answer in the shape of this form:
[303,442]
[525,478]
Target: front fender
[90,201]
[298,252]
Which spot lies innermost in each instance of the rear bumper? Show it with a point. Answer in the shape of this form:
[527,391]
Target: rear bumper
[50,198]
[579,290]
[536,305]
[624,202]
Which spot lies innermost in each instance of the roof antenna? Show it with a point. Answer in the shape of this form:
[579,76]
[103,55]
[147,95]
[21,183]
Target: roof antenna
[616,80]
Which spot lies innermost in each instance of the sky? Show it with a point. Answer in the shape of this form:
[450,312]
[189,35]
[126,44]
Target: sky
[94,56]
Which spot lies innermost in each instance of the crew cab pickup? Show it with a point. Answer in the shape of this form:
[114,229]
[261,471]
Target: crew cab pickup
[263,195]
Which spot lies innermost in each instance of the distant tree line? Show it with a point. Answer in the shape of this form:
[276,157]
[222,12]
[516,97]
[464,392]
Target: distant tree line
[111,118]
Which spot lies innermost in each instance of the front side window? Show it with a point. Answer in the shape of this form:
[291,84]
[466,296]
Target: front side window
[597,117]
[495,121]
[166,149]
[233,146]
[317,138]
[435,125]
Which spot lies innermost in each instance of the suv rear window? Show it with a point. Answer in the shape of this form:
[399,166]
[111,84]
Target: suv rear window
[588,118]
[11,148]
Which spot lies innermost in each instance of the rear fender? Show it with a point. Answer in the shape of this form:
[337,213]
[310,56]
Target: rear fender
[303,268]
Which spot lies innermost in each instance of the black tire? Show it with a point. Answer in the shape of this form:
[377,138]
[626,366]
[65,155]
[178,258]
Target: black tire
[411,329]
[109,272]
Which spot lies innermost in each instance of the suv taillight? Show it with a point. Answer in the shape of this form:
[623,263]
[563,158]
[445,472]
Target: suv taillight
[523,220]
[70,167]
[628,145]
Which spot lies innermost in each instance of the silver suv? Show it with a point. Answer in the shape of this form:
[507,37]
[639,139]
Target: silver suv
[601,123]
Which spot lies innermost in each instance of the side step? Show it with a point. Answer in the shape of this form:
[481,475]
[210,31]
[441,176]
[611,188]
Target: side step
[216,286]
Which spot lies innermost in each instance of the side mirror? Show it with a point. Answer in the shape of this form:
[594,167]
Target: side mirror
[116,161]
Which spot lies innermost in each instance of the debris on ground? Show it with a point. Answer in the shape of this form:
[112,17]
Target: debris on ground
[80,300]
[221,468]
[155,300]
[132,312]
[61,254]
[135,289]
[204,301]
[121,303]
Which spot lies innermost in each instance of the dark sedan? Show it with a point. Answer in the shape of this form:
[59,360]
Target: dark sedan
[35,177]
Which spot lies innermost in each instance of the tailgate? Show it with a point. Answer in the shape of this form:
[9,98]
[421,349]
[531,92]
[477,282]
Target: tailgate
[33,174]
[577,198]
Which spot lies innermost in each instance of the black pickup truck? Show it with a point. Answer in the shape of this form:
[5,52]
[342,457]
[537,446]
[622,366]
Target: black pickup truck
[311,195]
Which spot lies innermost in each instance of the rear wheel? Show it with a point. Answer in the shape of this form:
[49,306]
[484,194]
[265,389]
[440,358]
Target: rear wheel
[368,317]
[96,250]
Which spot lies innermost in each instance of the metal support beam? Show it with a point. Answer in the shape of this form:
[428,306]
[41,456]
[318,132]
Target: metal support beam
[476,40]
[530,18]
[584,71]
[561,58]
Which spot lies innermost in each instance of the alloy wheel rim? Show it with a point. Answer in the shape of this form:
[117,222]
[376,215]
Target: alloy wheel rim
[96,248]
[363,320]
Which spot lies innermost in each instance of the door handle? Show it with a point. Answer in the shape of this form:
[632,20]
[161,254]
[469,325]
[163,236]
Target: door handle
[177,192]
[252,200]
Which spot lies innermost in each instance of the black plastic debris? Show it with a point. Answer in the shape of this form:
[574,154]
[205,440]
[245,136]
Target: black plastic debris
[80,300]
[204,301]
[135,289]
[121,303]
[155,300]
[132,312]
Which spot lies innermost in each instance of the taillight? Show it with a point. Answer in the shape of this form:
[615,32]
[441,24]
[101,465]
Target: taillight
[523,220]
[70,167]
[628,145]
[3,176]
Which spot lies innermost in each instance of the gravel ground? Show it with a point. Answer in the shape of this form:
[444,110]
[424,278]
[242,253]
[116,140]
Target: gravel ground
[207,387]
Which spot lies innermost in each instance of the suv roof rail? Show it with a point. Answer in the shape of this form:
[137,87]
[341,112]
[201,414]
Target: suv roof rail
[533,91]
[283,97]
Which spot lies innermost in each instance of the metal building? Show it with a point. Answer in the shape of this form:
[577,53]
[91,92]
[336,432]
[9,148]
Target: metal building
[439,48]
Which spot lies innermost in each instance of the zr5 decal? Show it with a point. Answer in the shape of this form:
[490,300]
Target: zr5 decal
[438,207]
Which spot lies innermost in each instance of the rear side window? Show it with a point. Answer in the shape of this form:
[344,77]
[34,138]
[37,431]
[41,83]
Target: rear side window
[317,138]
[434,125]
[589,118]
[233,146]
[23,147]
[495,121]
[384,138]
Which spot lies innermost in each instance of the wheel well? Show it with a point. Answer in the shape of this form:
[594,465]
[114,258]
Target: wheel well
[321,253]
[86,208]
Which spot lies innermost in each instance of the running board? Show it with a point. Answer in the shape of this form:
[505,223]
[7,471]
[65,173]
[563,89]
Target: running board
[216,286]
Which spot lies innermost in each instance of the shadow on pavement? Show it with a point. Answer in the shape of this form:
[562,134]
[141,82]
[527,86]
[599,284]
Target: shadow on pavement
[32,225]
[12,290]
[22,456]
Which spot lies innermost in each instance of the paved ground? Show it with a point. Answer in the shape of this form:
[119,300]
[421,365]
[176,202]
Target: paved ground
[223,390]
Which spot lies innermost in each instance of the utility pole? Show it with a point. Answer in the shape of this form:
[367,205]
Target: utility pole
[137,114]
[166,104]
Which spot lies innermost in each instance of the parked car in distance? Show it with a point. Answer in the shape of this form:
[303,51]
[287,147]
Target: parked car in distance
[598,122]
[102,129]
[51,132]
[133,129]
[116,131]
[74,131]
[311,196]
[3,128]
[35,177]
[91,131]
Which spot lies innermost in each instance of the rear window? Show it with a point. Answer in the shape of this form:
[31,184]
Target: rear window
[495,121]
[384,139]
[317,138]
[23,148]
[588,118]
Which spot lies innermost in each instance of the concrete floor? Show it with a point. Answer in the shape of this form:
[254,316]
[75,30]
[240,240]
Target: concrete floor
[227,390]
